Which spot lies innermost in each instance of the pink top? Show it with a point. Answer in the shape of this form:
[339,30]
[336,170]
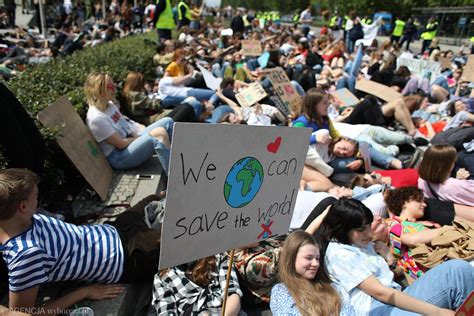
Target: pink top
[453,190]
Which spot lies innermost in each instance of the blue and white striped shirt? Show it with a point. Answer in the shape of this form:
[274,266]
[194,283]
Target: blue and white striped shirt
[52,250]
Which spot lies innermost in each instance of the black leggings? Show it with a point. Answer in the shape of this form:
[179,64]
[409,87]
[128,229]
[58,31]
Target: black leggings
[141,244]
[183,113]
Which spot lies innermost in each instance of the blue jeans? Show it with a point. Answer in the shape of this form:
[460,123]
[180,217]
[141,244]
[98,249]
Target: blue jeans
[446,285]
[378,158]
[383,140]
[252,64]
[218,70]
[352,68]
[201,94]
[143,148]
[219,112]
[170,102]
[298,88]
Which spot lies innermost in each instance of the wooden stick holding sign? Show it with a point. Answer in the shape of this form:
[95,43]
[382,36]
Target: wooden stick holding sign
[227,280]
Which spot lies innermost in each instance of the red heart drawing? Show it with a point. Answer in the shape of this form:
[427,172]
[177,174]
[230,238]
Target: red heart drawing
[273,147]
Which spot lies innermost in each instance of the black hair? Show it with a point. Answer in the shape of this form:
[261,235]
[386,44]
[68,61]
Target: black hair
[227,81]
[344,216]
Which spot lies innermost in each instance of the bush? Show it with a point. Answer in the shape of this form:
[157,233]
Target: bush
[38,87]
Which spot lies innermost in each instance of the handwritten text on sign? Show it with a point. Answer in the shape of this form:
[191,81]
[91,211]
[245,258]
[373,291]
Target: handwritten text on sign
[228,188]
[283,87]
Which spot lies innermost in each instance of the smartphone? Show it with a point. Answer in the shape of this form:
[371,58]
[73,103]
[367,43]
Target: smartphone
[145,176]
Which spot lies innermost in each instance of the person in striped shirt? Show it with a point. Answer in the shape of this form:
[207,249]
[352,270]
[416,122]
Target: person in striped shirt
[39,249]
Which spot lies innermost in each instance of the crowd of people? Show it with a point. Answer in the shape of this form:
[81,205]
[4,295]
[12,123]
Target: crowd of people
[391,241]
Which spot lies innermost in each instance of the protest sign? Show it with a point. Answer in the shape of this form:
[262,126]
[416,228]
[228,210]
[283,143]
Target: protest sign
[379,90]
[444,62]
[251,95]
[283,89]
[231,190]
[345,97]
[78,144]
[251,48]
[421,67]
[212,82]
[468,72]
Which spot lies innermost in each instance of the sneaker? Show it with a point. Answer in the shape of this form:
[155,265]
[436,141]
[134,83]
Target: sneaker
[420,141]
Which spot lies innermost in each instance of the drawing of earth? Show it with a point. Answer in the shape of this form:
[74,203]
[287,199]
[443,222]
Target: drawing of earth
[243,182]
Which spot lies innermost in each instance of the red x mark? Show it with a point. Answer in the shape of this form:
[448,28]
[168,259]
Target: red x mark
[266,230]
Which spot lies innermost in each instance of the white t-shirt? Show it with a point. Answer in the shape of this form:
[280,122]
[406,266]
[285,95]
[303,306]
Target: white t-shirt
[350,130]
[149,8]
[349,24]
[349,265]
[306,15]
[306,201]
[103,124]
[166,88]
[376,204]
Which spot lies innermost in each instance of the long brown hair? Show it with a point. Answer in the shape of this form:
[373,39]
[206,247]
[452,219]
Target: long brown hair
[308,105]
[135,81]
[200,271]
[437,163]
[312,297]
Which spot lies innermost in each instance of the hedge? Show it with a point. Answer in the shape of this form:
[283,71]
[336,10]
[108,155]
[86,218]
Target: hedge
[41,85]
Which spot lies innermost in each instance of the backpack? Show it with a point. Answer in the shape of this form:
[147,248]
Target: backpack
[356,32]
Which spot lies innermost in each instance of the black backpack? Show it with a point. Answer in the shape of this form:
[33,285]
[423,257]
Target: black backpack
[356,32]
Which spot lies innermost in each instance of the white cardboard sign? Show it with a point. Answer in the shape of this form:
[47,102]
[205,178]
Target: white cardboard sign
[251,95]
[420,67]
[212,82]
[229,186]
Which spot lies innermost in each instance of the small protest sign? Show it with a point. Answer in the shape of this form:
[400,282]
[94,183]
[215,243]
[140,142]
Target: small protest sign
[212,82]
[421,67]
[283,88]
[251,95]
[230,190]
[251,48]
[379,90]
[444,62]
[345,97]
[468,72]
[77,142]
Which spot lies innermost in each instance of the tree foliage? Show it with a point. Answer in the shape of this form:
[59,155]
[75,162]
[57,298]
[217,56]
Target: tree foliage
[361,6]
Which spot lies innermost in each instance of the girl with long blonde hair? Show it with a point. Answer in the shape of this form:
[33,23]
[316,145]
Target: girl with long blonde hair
[126,144]
[304,289]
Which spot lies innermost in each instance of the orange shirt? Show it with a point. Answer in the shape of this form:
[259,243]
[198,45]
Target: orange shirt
[175,70]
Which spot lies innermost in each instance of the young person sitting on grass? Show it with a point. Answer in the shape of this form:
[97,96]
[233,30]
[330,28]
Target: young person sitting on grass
[38,249]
